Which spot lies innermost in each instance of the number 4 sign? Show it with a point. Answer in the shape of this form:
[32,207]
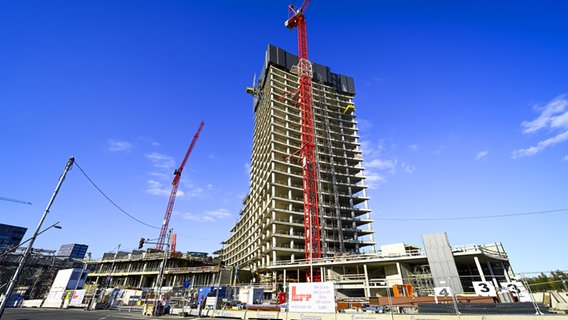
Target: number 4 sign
[484,288]
[442,291]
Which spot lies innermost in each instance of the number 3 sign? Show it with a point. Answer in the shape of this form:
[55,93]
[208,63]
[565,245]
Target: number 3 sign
[484,288]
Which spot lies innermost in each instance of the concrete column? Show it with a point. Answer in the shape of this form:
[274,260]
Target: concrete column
[491,272]
[141,282]
[479,269]
[505,272]
[285,285]
[399,270]
[366,283]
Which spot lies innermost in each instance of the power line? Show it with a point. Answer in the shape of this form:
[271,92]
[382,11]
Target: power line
[109,199]
[477,217]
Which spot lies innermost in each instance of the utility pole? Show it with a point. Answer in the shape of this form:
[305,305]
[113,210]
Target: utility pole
[158,291]
[28,250]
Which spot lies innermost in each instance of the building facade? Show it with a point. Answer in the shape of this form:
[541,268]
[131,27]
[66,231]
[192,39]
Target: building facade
[10,236]
[38,273]
[143,269]
[418,270]
[271,224]
[399,270]
[73,250]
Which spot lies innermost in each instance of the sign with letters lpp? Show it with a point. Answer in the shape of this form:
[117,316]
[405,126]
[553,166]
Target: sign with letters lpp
[312,297]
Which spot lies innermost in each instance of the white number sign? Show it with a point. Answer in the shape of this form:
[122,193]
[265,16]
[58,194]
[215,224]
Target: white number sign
[484,288]
[442,291]
[518,290]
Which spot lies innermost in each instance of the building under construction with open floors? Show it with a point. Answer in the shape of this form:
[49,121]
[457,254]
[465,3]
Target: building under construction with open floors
[267,243]
[270,229]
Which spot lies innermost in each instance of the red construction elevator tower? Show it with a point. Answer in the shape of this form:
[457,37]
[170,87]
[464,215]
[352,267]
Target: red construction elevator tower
[312,247]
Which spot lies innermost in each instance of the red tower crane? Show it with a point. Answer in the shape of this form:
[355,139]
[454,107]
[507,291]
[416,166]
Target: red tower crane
[175,184]
[312,246]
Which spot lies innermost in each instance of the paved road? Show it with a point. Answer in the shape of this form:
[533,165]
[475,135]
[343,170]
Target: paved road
[76,314]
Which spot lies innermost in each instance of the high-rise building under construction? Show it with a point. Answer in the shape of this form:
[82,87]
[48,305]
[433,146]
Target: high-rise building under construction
[270,228]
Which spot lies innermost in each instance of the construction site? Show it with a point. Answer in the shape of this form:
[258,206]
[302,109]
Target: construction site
[306,220]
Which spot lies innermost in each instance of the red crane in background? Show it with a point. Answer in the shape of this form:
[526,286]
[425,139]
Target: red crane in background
[175,184]
[312,246]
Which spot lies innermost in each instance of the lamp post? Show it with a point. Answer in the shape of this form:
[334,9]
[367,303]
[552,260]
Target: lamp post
[55,225]
[28,250]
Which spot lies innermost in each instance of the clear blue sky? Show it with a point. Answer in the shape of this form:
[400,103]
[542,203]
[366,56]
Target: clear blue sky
[462,108]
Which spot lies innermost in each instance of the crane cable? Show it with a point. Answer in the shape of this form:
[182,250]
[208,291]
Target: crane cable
[110,200]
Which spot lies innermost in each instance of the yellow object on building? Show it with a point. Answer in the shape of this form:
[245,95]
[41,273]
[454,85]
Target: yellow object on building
[349,107]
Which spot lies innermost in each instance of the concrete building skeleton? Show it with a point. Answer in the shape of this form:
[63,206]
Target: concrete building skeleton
[266,245]
[271,225]
[268,238]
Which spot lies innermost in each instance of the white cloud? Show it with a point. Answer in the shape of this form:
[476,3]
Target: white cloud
[209,216]
[364,124]
[377,165]
[408,168]
[115,145]
[373,179]
[387,164]
[149,141]
[161,175]
[156,188]
[565,158]
[161,160]
[531,151]
[194,192]
[554,117]
[481,154]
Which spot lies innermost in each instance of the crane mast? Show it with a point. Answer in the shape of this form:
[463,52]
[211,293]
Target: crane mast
[175,184]
[312,248]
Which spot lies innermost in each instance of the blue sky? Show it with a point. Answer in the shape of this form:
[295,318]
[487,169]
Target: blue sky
[462,109]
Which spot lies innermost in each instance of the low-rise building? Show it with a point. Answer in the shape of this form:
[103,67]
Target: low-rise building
[143,269]
[397,269]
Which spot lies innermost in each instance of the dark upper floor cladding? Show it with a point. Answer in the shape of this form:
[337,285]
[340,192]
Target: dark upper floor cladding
[281,59]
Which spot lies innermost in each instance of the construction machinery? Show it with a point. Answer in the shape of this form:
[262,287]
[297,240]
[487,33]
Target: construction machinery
[312,248]
[175,185]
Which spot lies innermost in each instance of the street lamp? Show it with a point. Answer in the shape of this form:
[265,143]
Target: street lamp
[12,249]
[33,238]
